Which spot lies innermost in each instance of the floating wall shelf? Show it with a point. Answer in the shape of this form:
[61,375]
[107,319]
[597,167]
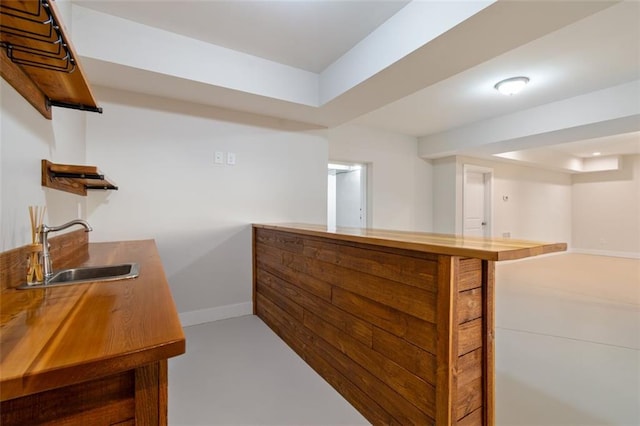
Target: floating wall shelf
[72,178]
[38,59]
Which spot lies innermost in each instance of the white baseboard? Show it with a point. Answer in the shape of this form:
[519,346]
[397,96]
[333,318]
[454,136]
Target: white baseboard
[627,254]
[202,316]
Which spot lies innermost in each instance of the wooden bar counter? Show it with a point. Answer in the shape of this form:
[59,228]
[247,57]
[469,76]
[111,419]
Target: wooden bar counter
[93,353]
[400,323]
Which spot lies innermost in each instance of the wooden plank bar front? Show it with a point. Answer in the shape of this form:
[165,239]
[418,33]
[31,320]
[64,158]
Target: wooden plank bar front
[403,331]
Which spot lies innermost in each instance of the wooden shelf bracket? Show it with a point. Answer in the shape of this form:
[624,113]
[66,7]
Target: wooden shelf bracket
[74,179]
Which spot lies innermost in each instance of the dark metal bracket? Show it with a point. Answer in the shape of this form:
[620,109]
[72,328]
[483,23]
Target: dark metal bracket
[77,175]
[74,106]
[105,187]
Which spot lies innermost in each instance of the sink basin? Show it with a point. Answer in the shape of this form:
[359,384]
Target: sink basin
[89,274]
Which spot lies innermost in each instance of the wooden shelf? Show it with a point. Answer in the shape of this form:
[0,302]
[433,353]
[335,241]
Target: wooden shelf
[72,178]
[38,59]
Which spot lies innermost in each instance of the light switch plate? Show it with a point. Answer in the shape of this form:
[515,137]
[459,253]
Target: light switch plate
[231,158]
[219,157]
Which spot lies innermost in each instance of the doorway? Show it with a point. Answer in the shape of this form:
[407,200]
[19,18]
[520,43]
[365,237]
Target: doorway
[347,195]
[477,208]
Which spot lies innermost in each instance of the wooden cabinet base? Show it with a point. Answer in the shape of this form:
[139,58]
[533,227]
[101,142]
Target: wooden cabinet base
[136,396]
[405,336]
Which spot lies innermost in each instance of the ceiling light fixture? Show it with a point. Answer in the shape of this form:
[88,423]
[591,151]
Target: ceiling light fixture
[595,154]
[511,86]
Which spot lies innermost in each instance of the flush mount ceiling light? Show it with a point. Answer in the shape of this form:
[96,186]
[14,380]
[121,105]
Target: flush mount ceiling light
[511,86]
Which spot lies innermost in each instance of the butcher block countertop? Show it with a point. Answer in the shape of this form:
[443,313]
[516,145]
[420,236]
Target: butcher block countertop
[64,335]
[494,249]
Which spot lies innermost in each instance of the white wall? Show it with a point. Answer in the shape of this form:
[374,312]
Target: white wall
[161,154]
[27,138]
[538,206]
[606,210]
[444,195]
[400,182]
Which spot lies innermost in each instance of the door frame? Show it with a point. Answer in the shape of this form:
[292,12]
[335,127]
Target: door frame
[487,173]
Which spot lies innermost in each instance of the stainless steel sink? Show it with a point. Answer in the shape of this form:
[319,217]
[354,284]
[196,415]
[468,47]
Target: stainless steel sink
[89,274]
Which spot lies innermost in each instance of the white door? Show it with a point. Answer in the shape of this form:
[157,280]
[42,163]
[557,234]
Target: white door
[347,200]
[475,208]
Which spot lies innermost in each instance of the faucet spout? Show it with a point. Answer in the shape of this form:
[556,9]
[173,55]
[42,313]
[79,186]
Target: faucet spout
[43,232]
[46,229]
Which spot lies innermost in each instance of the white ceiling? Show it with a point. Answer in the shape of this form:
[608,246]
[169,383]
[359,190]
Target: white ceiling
[566,49]
[307,34]
[600,51]
[625,143]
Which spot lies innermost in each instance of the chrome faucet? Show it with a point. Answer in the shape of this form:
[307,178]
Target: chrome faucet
[43,232]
